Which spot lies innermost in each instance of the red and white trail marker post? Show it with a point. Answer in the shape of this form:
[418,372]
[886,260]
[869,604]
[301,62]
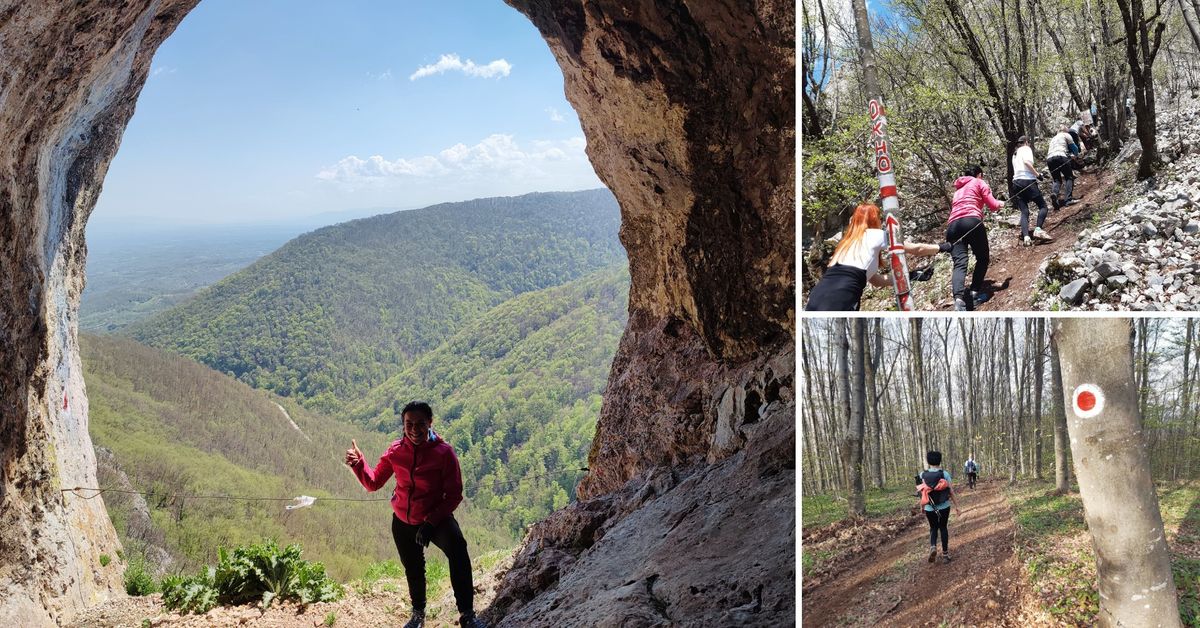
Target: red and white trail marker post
[883,159]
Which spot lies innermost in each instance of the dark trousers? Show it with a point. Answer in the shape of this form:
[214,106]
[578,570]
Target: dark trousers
[938,520]
[1025,191]
[1063,172]
[963,234]
[449,538]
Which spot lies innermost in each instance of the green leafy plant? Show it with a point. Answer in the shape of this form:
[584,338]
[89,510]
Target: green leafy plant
[262,573]
[105,560]
[330,618]
[137,580]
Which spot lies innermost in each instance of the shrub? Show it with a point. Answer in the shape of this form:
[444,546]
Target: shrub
[137,580]
[253,573]
[104,560]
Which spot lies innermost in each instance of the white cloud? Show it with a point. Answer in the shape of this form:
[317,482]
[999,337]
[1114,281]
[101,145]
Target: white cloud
[386,75]
[497,156]
[162,69]
[555,116]
[497,68]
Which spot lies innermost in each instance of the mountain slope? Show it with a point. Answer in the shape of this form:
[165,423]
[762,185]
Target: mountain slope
[517,393]
[337,311]
[179,428]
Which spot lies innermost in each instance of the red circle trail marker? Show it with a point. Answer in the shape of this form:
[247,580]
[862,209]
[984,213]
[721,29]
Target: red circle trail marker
[1087,401]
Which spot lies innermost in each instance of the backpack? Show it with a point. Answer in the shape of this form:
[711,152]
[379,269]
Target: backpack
[930,478]
[971,467]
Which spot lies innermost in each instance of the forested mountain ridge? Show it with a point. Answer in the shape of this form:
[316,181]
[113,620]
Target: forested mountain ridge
[339,310]
[517,393]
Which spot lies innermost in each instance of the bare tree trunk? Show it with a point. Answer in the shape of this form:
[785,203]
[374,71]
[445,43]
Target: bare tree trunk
[1014,453]
[1039,359]
[1062,470]
[1140,49]
[854,430]
[1120,505]
[872,369]
[1193,28]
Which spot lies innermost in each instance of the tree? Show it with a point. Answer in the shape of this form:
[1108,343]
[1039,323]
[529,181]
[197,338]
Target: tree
[853,448]
[1141,47]
[1112,464]
[1062,471]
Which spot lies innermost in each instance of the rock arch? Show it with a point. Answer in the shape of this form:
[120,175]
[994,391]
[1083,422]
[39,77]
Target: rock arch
[689,111]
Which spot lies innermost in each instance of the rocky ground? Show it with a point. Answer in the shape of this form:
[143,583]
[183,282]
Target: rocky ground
[1145,256]
[382,604]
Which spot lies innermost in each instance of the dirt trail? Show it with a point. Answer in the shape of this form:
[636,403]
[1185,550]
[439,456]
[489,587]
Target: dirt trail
[1014,268]
[892,584]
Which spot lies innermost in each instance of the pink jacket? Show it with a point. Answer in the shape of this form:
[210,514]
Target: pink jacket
[972,195]
[428,481]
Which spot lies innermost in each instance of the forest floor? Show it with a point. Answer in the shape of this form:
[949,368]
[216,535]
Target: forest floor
[878,573]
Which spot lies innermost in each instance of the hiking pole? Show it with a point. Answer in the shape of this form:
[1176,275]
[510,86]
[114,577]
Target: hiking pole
[883,159]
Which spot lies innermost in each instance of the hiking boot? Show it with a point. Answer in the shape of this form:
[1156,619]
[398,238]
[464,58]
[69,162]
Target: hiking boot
[960,305]
[981,298]
[945,557]
[1027,241]
[1054,202]
[1042,235]
[417,621]
[471,621]
[932,554]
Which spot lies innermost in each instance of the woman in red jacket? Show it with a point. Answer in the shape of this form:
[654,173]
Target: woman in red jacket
[428,489]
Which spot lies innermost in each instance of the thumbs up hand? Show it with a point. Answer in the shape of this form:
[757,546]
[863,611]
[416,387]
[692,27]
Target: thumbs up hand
[354,455]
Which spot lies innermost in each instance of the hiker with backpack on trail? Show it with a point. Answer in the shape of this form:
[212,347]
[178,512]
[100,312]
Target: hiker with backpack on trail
[428,489]
[855,263]
[937,495]
[1025,190]
[965,230]
[1062,168]
[972,470]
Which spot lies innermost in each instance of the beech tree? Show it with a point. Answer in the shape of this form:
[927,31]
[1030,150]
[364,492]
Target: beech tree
[1112,464]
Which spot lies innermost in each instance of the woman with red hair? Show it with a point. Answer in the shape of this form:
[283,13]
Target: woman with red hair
[855,262]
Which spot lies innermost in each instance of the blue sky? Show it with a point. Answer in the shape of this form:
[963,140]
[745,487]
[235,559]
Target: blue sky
[273,110]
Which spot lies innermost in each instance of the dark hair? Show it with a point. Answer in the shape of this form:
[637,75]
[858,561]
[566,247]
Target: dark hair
[973,170]
[419,407]
[934,458]
[1021,141]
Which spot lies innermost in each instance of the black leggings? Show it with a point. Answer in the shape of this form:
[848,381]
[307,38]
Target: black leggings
[967,233]
[938,520]
[1025,191]
[449,538]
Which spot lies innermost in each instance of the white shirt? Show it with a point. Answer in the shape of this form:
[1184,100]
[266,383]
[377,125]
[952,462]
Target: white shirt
[864,254]
[1020,171]
[1058,146]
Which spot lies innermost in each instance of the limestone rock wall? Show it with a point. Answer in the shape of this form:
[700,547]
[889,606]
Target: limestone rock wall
[69,75]
[689,112]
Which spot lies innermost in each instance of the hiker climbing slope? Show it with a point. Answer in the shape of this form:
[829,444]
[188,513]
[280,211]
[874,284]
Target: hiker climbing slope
[1058,160]
[1025,190]
[965,230]
[937,495]
[855,263]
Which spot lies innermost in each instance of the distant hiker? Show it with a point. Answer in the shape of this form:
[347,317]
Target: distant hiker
[428,489]
[1058,159]
[856,262]
[933,485]
[1129,106]
[1025,190]
[972,469]
[965,230]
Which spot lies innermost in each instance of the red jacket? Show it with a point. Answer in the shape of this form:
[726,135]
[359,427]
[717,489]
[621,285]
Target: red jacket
[428,481]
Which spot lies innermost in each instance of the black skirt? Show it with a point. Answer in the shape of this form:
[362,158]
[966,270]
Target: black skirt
[839,290]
